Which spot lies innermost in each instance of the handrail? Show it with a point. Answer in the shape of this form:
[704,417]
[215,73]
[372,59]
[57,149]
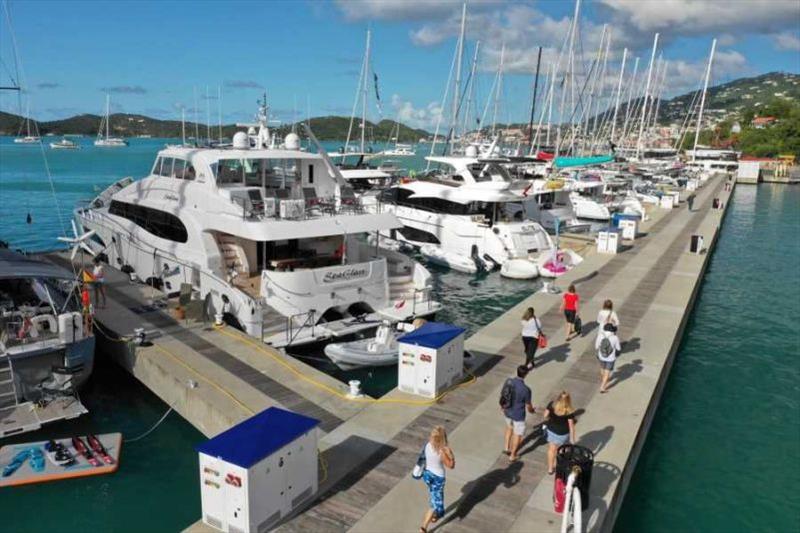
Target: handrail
[290,321]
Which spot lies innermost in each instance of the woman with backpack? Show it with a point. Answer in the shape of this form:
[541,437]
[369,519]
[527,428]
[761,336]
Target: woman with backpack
[531,333]
[559,418]
[438,456]
[608,347]
[569,305]
[607,315]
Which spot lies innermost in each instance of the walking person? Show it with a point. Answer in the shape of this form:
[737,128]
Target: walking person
[607,315]
[86,308]
[438,456]
[690,201]
[99,275]
[515,399]
[559,417]
[608,347]
[531,331]
[569,305]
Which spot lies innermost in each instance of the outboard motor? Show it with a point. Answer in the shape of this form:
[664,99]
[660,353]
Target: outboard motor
[477,259]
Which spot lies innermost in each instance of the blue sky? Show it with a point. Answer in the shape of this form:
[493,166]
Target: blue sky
[152,55]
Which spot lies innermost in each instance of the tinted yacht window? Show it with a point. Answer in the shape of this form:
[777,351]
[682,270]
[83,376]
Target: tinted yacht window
[159,223]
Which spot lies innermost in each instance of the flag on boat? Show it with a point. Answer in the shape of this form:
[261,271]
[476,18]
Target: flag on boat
[377,94]
[564,162]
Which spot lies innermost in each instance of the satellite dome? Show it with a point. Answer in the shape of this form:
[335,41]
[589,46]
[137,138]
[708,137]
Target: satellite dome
[471,151]
[292,142]
[241,141]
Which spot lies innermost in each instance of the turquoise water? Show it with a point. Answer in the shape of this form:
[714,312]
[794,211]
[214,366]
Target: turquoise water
[724,450]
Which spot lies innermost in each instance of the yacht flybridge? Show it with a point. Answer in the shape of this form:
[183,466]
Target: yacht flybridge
[469,215]
[272,239]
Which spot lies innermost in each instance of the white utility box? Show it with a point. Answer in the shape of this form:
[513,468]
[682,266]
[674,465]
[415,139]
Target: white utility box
[667,201]
[608,241]
[692,184]
[629,228]
[257,472]
[292,208]
[676,198]
[431,359]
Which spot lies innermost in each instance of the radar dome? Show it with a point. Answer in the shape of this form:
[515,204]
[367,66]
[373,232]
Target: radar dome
[292,142]
[471,151]
[240,141]
[251,130]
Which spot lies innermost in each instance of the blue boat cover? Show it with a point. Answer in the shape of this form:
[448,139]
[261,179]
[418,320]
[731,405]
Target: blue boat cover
[432,335]
[259,436]
[564,162]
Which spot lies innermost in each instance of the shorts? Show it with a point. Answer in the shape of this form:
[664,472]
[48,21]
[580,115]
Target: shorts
[570,315]
[555,438]
[517,425]
[607,365]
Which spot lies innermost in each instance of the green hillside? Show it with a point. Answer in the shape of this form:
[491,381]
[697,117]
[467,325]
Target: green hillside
[127,125]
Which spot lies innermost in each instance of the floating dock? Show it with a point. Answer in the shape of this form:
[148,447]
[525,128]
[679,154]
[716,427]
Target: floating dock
[215,378]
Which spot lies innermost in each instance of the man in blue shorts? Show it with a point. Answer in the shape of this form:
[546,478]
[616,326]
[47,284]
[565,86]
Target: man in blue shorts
[515,414]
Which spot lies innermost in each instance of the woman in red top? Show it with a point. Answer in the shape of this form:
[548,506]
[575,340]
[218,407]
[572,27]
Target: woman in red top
[570,307]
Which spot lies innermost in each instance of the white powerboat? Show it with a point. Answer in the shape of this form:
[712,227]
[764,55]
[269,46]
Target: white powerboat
[104,139]
[28,139]
[271,239]
[64,144]
[468,215]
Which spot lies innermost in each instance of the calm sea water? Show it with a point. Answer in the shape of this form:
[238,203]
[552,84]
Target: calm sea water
[724,450]
[726,431]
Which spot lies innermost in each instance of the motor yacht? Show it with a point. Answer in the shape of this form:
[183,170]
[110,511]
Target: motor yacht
[467,215]
[46,354]
[272,240]
[710,160]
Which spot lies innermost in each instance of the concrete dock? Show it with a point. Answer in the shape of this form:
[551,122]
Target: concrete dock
[216,378]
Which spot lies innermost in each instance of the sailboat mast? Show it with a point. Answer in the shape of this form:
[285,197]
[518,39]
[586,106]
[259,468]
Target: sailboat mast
[457,93]
[533,102]
[219,111]
[703,99]
[365,92]
[619,92]
[471,89]
[196,119]
[646,95]
[498,88]
[183,126]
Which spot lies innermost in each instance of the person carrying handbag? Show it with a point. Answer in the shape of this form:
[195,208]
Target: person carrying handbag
[532,336]
[437,457]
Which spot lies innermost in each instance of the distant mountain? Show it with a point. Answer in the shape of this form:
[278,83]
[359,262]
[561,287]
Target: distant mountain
[735,96]
[126,125]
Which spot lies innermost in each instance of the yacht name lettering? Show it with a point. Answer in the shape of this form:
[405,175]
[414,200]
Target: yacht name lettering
[172,197]
[345,275]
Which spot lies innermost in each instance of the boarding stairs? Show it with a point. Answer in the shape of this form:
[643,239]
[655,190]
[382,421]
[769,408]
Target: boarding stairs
[401,287]
[8,391]
[231,253]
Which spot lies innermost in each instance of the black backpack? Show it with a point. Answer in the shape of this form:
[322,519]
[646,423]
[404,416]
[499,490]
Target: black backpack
[507,394]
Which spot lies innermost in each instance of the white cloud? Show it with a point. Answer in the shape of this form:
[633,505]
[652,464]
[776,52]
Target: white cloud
[407,9]
[424,117]
[787,40]
[693,17]
[684,76]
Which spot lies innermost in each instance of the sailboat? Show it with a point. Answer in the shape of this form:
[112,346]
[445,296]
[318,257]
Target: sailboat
[28,138]
[400,149]
[107,140]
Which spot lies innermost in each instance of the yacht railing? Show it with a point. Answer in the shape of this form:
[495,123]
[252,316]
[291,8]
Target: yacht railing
[150,249]
[291,334]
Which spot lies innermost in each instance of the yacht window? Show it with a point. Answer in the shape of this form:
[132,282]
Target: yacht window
[389,195]
[157,167]
[189,173]
[310,174]
[154,221]
[488,172]
[179,169]
[229,172]
[166,167]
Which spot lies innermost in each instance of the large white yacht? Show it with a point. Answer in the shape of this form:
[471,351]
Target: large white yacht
[712,160]
[274,239]
[467,215]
